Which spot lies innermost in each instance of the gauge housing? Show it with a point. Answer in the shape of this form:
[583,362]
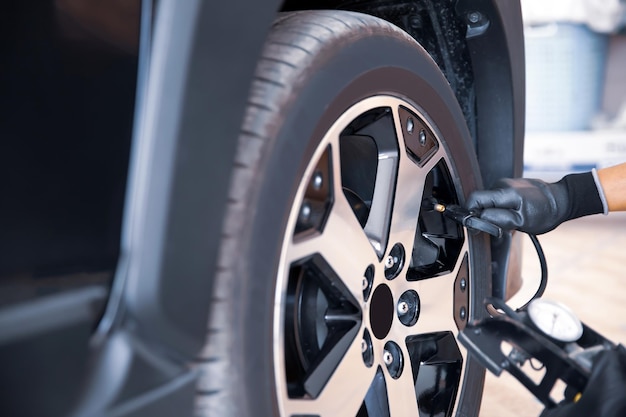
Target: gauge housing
[555,320]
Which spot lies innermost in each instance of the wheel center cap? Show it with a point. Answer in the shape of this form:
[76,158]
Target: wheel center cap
[381,311]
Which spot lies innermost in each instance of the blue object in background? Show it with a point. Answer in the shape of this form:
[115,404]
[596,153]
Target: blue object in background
[565,70]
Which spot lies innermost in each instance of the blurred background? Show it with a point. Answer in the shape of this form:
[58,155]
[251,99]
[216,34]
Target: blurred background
[575,85]
[575,121]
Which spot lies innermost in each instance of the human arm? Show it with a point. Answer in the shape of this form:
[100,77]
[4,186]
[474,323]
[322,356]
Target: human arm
[536,207]
[613,180]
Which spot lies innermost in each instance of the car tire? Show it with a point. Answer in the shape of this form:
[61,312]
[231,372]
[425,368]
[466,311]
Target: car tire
[339,289]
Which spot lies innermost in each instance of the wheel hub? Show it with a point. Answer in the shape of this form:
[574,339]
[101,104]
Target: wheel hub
[381,311]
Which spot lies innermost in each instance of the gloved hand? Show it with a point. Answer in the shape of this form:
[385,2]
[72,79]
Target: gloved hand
[605,394]
[534,206]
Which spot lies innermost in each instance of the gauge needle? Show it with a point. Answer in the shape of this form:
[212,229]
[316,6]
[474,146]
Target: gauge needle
[554,316]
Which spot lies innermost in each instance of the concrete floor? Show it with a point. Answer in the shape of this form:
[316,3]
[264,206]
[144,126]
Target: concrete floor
[586,271]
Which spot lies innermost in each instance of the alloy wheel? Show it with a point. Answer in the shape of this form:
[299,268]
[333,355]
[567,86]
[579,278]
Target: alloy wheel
[373,284]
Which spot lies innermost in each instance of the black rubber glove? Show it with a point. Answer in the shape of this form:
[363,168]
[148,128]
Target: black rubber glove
[535,206]
[605,394]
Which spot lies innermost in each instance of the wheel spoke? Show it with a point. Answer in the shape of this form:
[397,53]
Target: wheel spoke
[401,393]
[331,356]
[351,377]
[342,244]
[436,158]
[437,302]
[369,165]
[344,392]
[377,228]
[409,193]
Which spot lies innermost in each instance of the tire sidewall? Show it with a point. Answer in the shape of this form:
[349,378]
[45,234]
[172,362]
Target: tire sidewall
[343,75]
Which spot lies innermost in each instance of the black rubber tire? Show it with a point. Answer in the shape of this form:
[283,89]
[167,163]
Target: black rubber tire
[314,66]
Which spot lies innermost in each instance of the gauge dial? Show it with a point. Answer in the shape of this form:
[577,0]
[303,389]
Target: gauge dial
[555,320]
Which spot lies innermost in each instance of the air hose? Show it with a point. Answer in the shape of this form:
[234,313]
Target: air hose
[472,221]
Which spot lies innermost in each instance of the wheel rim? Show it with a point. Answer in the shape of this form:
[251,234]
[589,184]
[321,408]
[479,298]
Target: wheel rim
[372,283]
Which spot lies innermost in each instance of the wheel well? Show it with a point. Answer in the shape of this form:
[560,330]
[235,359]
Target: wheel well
[436,26]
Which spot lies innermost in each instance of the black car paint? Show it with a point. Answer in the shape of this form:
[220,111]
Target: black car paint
[193,89]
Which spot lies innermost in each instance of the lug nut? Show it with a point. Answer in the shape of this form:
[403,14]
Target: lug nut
[394,261]
[318,180]
[366,282]
[408,308]
[422,137]
[366,349]
[410,125]
[403,308]
[387,358]
[474,17]
[392,356]
[415,22]
[305,212]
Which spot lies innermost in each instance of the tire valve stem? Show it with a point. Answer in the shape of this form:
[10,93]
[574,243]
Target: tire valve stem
[467,218]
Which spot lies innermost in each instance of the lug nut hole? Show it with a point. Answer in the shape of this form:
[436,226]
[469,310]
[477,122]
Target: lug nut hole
[367,281]
[393,359]
[408,308]
[394,261]
[366,349]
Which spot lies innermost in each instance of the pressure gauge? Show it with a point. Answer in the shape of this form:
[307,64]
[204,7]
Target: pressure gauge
[555,320]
